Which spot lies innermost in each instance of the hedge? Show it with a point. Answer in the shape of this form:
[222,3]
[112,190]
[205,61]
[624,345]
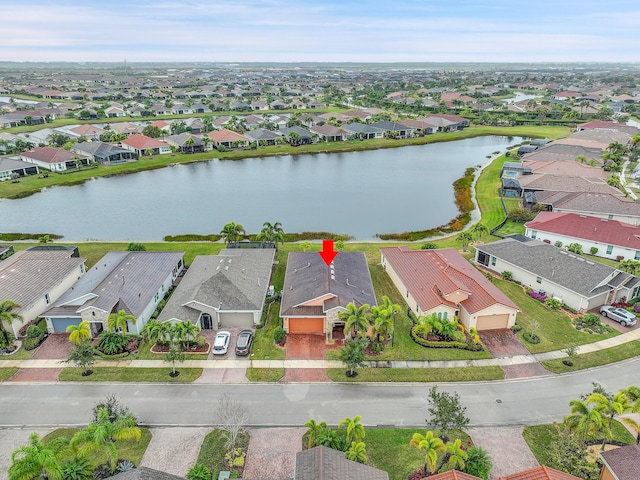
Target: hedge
[474,347]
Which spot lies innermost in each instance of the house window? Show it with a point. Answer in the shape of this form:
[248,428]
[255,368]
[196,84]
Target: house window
[439,315]
[93,314]
[635,292]
[483,258]
[637,255]
[46,298]
[539,279]
[493,261]
[610,217]
[444,315]
[534,233]
[407,293]
[609,249]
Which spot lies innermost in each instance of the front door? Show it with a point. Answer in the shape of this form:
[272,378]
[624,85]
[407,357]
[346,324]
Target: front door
[206,321]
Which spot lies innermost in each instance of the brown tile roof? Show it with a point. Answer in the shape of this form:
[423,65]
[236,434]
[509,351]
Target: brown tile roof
[51,155]
[562,167]
[225,135]
[453,475]
[624,462]
[540,473]
[87,129]
[566,183]
[591,203]
[142,142]
[323,463]
[430,274]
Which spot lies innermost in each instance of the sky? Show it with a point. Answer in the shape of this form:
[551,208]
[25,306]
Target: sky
[232,31]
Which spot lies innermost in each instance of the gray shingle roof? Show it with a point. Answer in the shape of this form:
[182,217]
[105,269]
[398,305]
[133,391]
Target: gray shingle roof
[308,277]
[556,265]
[144,473]
[237,279]
[323,463]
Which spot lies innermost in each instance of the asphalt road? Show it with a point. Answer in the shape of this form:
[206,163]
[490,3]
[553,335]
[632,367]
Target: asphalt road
[510,402]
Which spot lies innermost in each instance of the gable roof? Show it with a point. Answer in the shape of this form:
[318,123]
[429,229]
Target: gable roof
[562,167]
[558,266]
[128,280]
[602,203]
[453,475]
[323,463]
[565,183]
[602,230]
[50,155]
[623,462]
[308,277]
[262,134]
[540,473]
[225,135]
[235,279]
[87,129]
[142,142]
[431,274]
[145,473]
[100,149]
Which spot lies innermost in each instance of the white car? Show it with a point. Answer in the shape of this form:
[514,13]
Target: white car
[221,343]
[620,315]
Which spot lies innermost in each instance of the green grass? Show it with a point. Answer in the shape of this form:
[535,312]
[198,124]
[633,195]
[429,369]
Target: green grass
[264,374]
[389,450]
[7,372]
[213,450]
[264,348]
[129,374]
[468,374]
[127,449]
[540,439]
[145,353]
[594,359]
[21,354]
[555,330]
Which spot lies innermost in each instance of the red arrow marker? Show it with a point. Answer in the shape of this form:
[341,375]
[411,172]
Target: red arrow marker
[328,253]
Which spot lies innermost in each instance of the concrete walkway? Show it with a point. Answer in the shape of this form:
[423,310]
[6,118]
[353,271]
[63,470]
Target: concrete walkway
[627,337]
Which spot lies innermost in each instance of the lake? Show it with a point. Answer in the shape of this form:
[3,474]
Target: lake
[357,193]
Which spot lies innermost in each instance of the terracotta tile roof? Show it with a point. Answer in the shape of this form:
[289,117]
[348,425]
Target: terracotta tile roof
[142,142]
[624,462]
[87,129]
[453,475]
[51,155]
[540,473]
[562,167]
[431,274]
[601,230]
[225,135]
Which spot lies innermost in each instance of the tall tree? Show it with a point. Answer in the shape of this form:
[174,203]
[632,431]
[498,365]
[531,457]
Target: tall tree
[232,232]
[313,432]
[271,233]
[355,318]
[79,333]
[357,452]
[352,355]
[8,315]
[431,445]
[355,429]
[118,321]
[446,412]
[36,460]
[585,419]
[464,239]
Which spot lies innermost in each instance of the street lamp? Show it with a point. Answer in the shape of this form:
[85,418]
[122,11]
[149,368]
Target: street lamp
[393,334]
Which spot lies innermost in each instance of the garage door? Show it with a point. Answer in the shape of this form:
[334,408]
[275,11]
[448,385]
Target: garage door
[492,322]
[236,320]
[306,325]
[61,324]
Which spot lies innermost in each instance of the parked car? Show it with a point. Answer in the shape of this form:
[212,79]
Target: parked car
[620,315]
[221,343]
[243,344]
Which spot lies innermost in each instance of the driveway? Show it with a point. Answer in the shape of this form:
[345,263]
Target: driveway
[10,440]
[174,450]
[502,343]
[311,346]
[210,335]
[615,325]
[272,452]
[55,346]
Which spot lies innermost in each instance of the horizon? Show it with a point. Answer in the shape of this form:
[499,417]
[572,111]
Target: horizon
[323,31]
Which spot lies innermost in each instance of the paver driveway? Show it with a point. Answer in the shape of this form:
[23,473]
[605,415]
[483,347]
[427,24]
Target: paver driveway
[55,346]
[272,452]
[174,450]
[302,346]
[502,343]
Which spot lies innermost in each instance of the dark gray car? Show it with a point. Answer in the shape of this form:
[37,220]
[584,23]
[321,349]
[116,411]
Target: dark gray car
[243,344]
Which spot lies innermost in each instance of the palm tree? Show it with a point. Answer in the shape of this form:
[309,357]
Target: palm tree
[232,232]
[464,238]
[382,324]
[36,460]
[355,429]
[478,231]
[118,321]
[79,332]
[633,393]
[356,318]
[609,407]
[584,419]
[8,315]
[157,331]
[456,455]
[189,331]
[103,434]
[357,452]
[431,446]
[271,233]
[314,431]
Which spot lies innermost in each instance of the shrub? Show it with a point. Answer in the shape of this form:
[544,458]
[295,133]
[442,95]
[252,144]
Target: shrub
[23,329]
[12,339]
[136,247]
[537,296]
[521,215]
[531,337]
[199,472]
[553,303]
[112,343]
[575,248]
[32,343]
[568,308]
[516,328]
[33,331]
[488,276]
[506,275]
[558,243]
[278,334]
[593,250]
[429,246]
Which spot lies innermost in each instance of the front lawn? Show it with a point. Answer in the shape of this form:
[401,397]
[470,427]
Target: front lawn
[594,359]
[264,348]
[469,374]
[7,372]
[264,374]
[130,374]
[213,450]
[127,449]
[540,439]
[555,330]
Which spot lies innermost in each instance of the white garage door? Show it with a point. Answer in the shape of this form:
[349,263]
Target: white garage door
[236,320]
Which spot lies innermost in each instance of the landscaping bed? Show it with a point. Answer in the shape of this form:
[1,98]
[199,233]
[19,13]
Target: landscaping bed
[212,453]
[199,349]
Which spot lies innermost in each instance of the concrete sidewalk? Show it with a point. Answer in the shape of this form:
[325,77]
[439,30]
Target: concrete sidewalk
[631,336]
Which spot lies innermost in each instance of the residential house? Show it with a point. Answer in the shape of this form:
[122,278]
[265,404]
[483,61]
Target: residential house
[186,142]
[305,135]
[126,128]
[394,129]
[115,112]
[259,104]
[263,136]
[621,463]
[537,473]
[162,125]
[610,238]
[36,278]
[447,123]
[566,183]
[420,127]
[228,139]
[324,463]
[444,283]
[10,169]
[105,153]
[131,281]
[577,282]
[53,159]
[560,167]
[224,290]
[363,131]
[601,205]
[143,145]
[315,293]
[329,133]
[88,131]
